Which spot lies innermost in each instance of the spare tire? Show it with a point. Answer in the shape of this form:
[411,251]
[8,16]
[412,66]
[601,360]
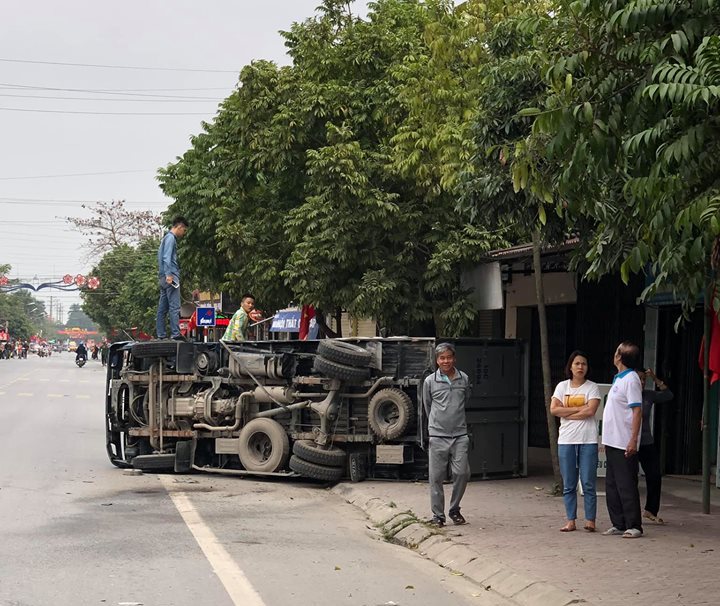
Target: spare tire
[154,349]
[263,445]
[314,453]
[344,353]
[340,371]
[389,413]
[315,471]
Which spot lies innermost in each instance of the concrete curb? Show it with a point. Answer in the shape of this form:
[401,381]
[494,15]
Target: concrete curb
[401,526]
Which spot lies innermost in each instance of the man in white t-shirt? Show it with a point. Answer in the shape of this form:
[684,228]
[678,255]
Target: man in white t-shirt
[622,420]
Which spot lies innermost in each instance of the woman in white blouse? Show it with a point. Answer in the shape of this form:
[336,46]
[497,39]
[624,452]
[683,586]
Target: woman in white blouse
[576,401]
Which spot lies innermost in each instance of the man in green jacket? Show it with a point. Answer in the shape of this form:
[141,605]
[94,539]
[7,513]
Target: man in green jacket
[237,329]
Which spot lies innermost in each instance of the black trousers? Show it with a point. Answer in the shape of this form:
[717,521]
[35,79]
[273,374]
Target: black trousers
[650,461]
[621,489]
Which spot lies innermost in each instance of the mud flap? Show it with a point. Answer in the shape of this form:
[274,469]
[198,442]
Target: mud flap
[184,456]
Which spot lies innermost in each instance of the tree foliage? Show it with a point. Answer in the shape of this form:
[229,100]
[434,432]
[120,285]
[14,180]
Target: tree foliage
[128,292]
[23,314]
[629,127]
[303,192]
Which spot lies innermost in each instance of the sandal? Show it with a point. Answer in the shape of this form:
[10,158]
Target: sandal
[653,518]
[589,527]
[569,527]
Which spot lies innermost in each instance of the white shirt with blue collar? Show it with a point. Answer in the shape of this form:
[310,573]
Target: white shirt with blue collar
[625,394]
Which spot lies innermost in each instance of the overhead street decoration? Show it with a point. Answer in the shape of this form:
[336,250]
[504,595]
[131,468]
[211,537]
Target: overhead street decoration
[68,283]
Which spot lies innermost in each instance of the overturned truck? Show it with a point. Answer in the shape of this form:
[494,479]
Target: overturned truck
[326,410]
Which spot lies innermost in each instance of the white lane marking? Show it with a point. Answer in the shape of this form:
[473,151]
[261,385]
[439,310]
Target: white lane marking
[55,395]
[239,588]
[44,380]
[15,381]
[64,380]
[83,381]
[25,394]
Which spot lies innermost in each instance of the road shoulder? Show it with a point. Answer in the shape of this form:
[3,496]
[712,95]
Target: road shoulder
[400,525]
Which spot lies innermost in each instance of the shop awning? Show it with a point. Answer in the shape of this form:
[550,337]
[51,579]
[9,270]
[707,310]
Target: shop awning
[286,320]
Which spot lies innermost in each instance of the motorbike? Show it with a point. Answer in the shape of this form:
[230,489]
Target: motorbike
[80,361]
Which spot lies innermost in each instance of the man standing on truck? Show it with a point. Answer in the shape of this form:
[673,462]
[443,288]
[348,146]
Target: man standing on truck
[237,329]
[169,281]
[445,394]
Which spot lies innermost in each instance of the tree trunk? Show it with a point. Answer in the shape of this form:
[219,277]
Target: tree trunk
[338,321]
[706,454]
[545,358]
[324,331]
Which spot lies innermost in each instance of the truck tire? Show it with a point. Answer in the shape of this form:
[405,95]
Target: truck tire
[343,372]
[315,471]
[154,349]
[344,353]
[263,446]
[154,462]
[357,467]
[389,413]
[314,453]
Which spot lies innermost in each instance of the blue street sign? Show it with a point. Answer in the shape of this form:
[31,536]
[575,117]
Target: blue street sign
[206,317]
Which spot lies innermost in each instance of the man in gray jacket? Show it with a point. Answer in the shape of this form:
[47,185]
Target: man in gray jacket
[445,394]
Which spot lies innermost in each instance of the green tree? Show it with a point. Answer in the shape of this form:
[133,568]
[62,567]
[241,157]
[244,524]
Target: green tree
[15,314]
[297,187]
[127,296]
[78,318]
[630,130]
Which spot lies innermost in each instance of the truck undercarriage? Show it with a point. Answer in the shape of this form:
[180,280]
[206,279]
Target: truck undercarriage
[323,410]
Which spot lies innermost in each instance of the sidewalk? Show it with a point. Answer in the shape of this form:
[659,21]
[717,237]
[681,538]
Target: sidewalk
[513,533]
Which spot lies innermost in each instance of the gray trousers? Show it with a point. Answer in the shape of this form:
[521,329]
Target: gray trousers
[444,451]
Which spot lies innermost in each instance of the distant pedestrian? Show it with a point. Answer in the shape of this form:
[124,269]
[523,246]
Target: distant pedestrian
[576,401]
[169,281]
[103,352]
[648,453]
[237,329]
[622,419]
[445,395]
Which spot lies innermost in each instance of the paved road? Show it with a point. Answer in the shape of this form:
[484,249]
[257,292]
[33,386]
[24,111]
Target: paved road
[75,530]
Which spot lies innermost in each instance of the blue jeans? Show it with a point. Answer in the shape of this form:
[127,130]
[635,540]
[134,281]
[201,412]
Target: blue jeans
[582,458]
[169,305]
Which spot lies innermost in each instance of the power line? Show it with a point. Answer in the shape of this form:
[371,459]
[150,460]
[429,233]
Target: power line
[58,97]
[5,85]
[53,202]
[109,172]
[62,111]
[144,68]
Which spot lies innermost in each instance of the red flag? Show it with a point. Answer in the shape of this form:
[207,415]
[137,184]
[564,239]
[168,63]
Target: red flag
[714,357]
[307,314]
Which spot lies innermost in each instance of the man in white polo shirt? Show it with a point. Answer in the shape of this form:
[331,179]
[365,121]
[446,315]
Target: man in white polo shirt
[622,420]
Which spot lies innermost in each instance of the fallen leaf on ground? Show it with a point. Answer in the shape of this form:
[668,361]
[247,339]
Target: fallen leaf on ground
[338,568]
[409,586]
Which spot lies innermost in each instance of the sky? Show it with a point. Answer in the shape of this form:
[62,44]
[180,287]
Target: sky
[142,75]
